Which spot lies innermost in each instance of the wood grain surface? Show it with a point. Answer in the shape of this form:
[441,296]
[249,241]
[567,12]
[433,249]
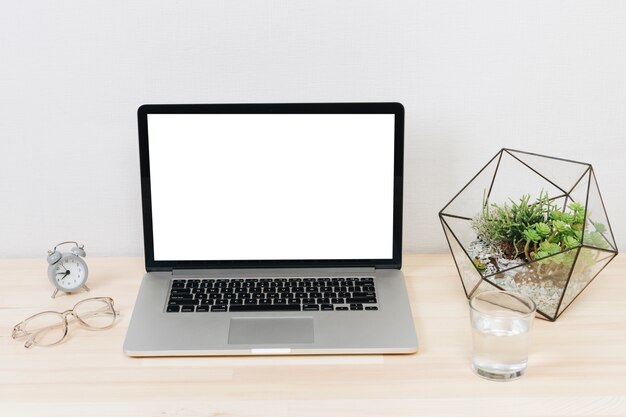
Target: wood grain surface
[577,364]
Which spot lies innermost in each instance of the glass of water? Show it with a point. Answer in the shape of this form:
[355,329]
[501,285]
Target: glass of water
[501,326]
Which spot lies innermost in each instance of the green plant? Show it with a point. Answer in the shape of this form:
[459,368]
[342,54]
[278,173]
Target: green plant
[513,228]
[479,265]
[534,230]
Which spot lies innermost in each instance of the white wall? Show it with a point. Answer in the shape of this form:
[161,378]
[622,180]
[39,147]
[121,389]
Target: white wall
[474,76]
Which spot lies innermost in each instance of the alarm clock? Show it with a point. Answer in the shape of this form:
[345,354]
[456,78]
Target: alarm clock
[67,271]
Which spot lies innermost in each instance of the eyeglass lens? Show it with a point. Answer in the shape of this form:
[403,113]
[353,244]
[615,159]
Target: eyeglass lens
[95,313]
[45,328]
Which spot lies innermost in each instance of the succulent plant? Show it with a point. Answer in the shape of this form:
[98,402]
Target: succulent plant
[534,230]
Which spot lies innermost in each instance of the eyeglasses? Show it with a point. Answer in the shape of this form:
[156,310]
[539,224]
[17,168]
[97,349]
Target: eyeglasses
[50,327]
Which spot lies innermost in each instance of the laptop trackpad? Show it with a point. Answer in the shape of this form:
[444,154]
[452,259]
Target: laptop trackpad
[251,331]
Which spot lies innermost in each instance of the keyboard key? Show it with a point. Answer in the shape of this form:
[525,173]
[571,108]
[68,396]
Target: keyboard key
[188,309]
[275,307]
[356,307]
[202,309]
[371,308]
[181,297]
[367,294]
[310,307]
[180,291]
[173,309]
[360,300]
[218,308]
[327,307]
[185,302]
[341,308]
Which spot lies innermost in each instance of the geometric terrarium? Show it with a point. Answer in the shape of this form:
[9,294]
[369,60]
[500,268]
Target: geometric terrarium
[532,224]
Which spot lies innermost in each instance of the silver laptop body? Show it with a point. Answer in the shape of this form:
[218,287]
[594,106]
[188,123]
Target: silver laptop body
[271,229]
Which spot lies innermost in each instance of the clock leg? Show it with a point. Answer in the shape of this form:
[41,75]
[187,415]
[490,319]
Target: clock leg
[86,288]
[54,294]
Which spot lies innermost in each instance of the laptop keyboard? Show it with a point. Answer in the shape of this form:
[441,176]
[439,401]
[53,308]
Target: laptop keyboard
[272,294]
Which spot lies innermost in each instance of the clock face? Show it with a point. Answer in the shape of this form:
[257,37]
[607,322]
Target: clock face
[70,273]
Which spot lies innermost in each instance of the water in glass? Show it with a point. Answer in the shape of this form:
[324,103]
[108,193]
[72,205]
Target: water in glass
[500,348]
[501,327]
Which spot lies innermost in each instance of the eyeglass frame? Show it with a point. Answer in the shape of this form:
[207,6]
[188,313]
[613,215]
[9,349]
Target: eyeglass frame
[18,332]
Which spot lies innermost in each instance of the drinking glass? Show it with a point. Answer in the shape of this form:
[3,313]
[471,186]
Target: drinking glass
[501,327]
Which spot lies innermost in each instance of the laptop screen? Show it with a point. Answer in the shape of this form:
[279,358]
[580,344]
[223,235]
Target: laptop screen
[271,187]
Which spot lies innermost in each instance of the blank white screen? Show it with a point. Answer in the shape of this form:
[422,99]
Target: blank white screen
[271,186]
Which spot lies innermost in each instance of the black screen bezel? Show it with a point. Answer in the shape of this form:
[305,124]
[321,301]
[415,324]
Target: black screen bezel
[293,108]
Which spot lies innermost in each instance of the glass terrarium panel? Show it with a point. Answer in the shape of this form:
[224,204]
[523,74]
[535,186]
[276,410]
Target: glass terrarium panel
[470,199]
[462,230]
[588,264]
[484,286]
[562,173]
[578,193]
[560,202]
[543,280]
[467,271]
[514,180]
[598,232]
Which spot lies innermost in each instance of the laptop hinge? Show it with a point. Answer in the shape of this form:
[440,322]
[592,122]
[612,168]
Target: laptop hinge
[276,272]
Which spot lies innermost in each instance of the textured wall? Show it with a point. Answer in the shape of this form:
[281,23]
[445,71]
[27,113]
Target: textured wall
[474,76]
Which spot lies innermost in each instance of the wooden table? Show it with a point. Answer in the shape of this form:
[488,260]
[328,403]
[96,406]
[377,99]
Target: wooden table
[577,364]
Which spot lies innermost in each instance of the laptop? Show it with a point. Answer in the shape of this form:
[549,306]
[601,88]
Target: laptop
[271,229]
